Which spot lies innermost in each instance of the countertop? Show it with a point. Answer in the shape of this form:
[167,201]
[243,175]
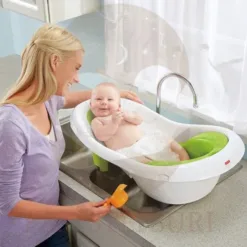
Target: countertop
[219,219]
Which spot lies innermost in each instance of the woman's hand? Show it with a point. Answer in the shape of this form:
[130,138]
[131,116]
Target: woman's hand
[91,211]
[130,95]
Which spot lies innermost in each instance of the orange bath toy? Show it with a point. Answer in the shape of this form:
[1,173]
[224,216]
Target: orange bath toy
[119,197]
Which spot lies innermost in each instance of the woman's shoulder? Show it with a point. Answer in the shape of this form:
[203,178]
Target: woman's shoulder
[56,102]
[13,136]
[11,118]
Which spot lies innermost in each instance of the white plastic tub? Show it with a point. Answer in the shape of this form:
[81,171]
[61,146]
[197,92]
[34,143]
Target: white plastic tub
[177,184]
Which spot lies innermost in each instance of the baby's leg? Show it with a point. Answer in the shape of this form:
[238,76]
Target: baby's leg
[179,150]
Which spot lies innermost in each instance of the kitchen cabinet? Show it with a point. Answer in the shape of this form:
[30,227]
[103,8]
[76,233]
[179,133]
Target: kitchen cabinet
[52,11]
[83,241]
[78,239]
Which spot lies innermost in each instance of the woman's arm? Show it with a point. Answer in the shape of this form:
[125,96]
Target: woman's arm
[88,211]
[72,99]
[12,148]
[34,210]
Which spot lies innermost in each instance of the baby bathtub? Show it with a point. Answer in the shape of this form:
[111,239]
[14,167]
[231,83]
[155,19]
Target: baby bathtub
[173,184]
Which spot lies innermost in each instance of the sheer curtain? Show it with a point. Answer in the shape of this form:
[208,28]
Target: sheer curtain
[204,40]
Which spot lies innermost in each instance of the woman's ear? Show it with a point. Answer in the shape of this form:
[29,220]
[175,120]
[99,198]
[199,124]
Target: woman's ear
[54,62]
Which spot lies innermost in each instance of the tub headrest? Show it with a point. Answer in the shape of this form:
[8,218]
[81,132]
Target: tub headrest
[90,116]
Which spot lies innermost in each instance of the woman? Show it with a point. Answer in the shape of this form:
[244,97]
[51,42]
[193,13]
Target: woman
[31,143]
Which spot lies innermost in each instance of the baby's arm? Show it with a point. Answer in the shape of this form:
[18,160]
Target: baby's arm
[104,131]
[133,118]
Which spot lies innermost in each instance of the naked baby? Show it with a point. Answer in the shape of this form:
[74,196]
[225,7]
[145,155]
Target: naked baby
[119,130]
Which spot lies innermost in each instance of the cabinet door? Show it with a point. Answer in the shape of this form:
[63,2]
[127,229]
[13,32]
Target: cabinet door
[60,10]
[33,8]
[83,241]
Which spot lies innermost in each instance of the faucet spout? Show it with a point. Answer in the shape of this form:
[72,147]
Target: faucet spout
[158,98]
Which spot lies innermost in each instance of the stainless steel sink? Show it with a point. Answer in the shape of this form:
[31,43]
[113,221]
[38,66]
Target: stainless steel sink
[78,164]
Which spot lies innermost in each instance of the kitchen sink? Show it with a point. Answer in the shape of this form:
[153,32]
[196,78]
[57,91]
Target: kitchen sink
[77,163]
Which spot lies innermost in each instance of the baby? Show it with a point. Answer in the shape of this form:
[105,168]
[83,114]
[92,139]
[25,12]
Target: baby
[119,130]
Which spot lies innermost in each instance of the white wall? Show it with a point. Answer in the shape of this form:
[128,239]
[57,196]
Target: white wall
[18,30]
[7,39]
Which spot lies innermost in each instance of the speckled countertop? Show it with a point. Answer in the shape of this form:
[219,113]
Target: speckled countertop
[220,219]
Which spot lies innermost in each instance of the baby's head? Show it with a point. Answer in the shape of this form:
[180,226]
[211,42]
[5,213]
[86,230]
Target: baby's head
[105,99]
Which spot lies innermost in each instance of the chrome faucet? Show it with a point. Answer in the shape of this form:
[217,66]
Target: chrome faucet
[158,98]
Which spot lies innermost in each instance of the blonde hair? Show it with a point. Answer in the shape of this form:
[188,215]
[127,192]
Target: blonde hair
[36,63]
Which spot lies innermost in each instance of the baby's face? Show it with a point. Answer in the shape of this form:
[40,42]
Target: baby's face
[104,101]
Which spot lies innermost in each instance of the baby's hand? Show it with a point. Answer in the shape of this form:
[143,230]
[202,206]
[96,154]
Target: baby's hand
[117,117]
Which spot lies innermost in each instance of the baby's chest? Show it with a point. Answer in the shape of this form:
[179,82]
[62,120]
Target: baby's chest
[126,128]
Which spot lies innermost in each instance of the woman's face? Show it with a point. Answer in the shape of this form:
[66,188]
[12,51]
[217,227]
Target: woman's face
[66,72]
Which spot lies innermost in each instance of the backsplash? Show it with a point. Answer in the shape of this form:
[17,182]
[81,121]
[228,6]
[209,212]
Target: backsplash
[18,30]
[6,41]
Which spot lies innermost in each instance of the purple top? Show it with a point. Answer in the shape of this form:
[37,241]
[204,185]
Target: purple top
[29,169]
